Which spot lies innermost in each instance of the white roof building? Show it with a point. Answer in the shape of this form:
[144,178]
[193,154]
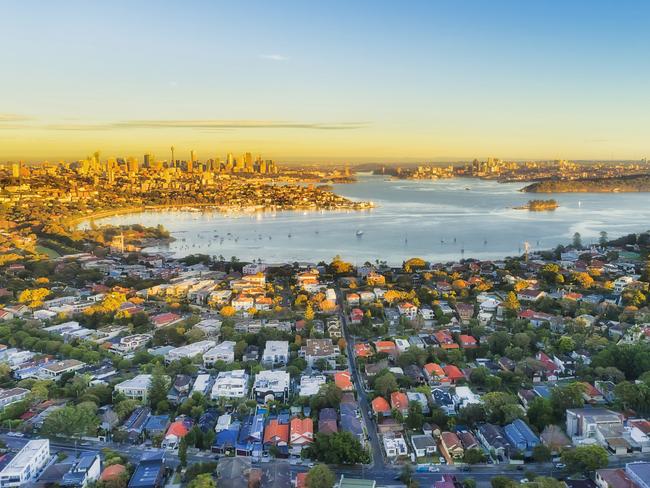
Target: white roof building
[276,352]
[230,384]
[221,352]
[201,384]
[274,383]
[309,385]
[27,464]
[135,388]
[189,351]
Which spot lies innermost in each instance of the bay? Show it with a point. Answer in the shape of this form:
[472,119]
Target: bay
[438,220]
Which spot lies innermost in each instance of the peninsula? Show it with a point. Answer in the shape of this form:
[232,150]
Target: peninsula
[626,183]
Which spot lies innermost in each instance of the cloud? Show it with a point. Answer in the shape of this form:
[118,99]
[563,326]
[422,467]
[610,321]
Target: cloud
[13,118]
[211,125]
[274,57]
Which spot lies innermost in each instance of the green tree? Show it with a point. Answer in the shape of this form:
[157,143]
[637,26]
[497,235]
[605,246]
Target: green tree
[584,459]
[72,421]
[204,480]
[337,448]
[474,456]
[386,384]
[469,483]
[541,453]
[577,240]
[503,482]
[565,397]
[157,388]
[320,476]
[415,418]
[182,452]
[540,413]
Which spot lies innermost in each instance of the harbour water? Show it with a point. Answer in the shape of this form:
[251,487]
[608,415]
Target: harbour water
[438,220]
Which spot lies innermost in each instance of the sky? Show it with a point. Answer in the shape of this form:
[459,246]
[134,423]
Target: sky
[328,81]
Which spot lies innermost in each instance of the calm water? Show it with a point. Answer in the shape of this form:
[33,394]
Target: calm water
[435,220]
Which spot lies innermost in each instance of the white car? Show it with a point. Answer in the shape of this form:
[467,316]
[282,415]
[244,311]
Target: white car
[434,469]
[560,465]
[523,481]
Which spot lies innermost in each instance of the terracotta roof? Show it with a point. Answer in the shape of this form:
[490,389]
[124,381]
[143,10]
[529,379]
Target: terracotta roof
[276,432]
[399,400]
[380,405]
[178,428]
[343,380]
[112,472]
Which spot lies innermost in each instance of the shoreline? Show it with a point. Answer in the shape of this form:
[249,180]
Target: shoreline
[201,207]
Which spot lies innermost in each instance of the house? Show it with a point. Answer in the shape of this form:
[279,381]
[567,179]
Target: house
[400,402]
[136,388]
[363,350]
[276,434]
[356,315]
[530,295]
[453,373]
[386,347]
[25,466]
[165,319]
[112,474]
[271,385]
[301,432]
[343,379]
[494,440]
[316,349]
[407,310]
[435,374]
[85,470]
[12,395]
[451,447]
[221,352]
[419,398]
[275,353]
[464,396]
[380,407]
[327,421]
[445,339]
[465,312]
[583,422]
[395,446]
[189,351]
[423,445]
[150,471]
[350,421]
[521,436]
[131,343]
[56,369]
[310,385]
[175,432]
[226,440]
[467,341]
[468,440]
[443,399]
[230,384]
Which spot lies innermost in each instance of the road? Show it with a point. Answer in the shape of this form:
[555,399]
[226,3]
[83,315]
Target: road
[376,449]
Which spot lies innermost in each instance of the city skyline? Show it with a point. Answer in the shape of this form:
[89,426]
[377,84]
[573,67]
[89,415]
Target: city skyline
[332,83]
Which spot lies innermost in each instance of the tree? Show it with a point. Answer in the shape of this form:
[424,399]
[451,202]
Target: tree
[227,311]
[386,384]
[182,452]
[565,397]
[541,453]
[511,302]
[577,240]
[337,448]
[540,413]
[320,476]
[474,456]
[415,418]
[469,483]
[406,476]
[566,344]
[72,421]
[501,408]
[503,482]
[157,388]
[583,459]
[309,312]
[204,480]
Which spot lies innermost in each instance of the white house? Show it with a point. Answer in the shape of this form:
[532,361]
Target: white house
[221,352]
[57,369]
[12,395]
[272,383]
[395,446]
[27,464]
[276,353]
[230,384]
[189,351]
[136,388]
[309,385]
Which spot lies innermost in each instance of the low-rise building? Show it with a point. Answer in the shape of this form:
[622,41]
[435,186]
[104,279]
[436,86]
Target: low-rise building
[221,352]
[136,388]
[275,353]
[271,384]
[27,464]
[230,384]
[189,351]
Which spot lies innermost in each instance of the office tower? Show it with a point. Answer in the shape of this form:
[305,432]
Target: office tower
[173,161]
[148,160]
[15,170]
[190,163]
[132,165]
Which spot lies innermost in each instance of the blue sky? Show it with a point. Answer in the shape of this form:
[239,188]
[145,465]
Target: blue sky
[329,81]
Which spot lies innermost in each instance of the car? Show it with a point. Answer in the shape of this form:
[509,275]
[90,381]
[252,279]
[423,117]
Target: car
[442,460]
[310,464]
[560,465]
[434,469]
[523,481]
[520,468]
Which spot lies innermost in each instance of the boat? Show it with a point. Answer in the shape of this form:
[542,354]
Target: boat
[359,233]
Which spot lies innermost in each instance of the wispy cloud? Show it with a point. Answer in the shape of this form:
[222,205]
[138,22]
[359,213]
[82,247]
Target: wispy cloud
[274,57]
[13,118]
[211,125]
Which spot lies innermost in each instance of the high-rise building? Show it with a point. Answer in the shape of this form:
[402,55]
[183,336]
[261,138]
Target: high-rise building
[132,165]
[148,160]
[190,163]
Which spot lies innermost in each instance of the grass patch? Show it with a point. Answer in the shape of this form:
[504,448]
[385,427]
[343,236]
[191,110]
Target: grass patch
[50,253]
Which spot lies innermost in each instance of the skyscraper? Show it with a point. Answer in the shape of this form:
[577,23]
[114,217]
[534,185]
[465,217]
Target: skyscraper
[190,163]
